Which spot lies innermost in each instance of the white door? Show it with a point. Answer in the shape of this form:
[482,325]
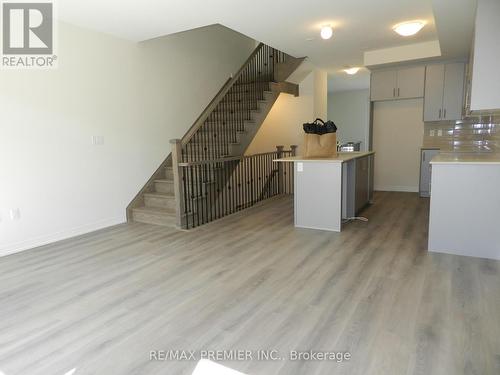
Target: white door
[397,137]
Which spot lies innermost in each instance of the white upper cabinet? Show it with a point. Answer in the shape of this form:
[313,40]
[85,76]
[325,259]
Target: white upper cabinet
[411,82]
[454,86]
[444,92]
[403,83]
[383,85]
[434,90]
[485,91]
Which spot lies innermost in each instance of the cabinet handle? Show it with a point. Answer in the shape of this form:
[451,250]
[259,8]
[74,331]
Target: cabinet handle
[440,113]
[444,113]
[394,92]
[398,92]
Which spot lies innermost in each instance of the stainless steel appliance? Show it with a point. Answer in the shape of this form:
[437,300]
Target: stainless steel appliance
[350,147]
[426,171]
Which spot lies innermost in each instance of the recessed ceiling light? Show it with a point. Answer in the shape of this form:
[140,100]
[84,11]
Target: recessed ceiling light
[326,32]
[409,28]
[351,71]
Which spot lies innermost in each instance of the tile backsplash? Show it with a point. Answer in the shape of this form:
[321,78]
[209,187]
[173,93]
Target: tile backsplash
[472,134]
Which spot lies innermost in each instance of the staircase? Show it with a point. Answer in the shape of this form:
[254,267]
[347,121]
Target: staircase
[201,165]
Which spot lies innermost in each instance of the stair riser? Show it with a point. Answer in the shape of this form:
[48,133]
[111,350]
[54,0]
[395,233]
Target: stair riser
[169,174]
[235,115]
[244,105]
[210,150]
[159,202]
[246,95]
[157,219]
[164,187]
[219,144]
[251,87]
[215,153]
[211,139]
[218,134]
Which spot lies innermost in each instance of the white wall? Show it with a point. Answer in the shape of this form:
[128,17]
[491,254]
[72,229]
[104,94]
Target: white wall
[350,110]
[137,96]
[397,138]
[283,125]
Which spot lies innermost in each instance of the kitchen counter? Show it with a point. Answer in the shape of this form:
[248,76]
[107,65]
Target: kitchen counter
[328,191]
[464,207]
[342,157]
[466,158]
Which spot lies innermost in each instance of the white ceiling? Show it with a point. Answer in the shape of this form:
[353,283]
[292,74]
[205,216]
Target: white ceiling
[359,25]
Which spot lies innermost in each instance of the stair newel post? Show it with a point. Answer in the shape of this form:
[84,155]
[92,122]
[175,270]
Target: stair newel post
[279,152]
[178,185]
[293,148]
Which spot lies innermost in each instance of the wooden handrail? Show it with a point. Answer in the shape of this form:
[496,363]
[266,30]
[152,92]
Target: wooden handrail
[221,160]
[218,98]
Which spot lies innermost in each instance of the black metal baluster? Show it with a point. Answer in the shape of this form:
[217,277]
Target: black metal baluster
[240,183]
[233,185]
[252,173]
[190,192]
[226,191]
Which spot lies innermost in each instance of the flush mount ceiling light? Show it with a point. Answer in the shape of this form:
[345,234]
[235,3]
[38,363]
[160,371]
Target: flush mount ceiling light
[351,71]
[326,32]
[409,28]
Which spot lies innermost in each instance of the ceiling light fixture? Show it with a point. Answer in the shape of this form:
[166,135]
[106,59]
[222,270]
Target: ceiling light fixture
[351,71]
[326,32]
[409,28]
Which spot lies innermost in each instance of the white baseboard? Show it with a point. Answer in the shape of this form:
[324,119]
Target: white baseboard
[405,189]
[59,236]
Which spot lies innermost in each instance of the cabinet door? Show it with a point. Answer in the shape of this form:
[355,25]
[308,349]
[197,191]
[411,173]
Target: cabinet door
[383,85]
[434,90]
[453,98]
[411,83]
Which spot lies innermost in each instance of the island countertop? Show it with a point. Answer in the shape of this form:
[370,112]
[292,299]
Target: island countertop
[466,158]
[340,158]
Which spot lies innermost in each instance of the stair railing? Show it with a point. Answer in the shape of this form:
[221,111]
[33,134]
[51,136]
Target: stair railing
[212,189]
[225,116]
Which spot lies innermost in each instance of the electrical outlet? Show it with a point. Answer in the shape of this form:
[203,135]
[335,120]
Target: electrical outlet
[440,133]
[97,140]
[15,214]
[300,167]
[432,133]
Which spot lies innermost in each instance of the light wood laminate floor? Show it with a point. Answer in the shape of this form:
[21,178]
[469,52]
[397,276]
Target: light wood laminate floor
[101,302]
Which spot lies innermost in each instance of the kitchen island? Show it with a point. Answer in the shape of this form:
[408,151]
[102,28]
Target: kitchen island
[328,191]
[465,204]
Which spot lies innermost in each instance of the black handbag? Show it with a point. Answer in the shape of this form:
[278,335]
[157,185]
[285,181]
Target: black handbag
[320,127]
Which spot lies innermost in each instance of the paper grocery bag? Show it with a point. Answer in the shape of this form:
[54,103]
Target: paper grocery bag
[320,146]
